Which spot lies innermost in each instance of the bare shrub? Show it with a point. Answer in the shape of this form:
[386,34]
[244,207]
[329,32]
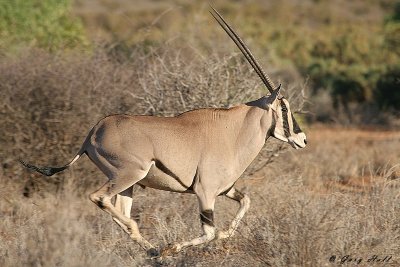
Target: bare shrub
[49,102]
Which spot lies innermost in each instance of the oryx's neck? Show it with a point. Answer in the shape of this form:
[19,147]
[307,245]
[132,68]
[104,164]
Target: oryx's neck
[252,128]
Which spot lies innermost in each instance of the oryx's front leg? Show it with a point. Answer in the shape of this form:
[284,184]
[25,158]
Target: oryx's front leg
[206,204]
[244,201]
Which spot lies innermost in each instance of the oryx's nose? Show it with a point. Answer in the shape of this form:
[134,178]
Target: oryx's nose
[305,141]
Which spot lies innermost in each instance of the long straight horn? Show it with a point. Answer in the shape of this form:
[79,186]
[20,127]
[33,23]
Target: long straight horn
[244,49]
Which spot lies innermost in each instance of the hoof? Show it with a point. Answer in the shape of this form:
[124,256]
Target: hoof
[170,249]
[152,252]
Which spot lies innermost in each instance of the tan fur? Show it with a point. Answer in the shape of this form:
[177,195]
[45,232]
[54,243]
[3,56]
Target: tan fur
[206,143]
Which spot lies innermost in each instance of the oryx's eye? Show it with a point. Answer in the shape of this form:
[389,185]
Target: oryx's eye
[284,109]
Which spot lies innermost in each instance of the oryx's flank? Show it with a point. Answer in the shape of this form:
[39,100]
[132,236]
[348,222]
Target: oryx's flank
[202,152]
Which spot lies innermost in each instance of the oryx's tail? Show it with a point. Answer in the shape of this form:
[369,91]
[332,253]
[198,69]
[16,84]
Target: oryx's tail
[49,171]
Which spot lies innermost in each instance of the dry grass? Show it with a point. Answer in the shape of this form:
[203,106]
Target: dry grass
[297,217]
[49,102]
[304,207]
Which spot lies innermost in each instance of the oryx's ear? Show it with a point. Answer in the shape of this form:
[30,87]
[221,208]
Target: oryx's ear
[272,97]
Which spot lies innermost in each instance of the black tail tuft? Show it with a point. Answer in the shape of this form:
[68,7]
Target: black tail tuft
[48,171]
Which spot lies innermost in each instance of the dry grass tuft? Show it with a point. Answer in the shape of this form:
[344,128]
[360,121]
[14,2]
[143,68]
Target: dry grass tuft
[48,104]
[294,220]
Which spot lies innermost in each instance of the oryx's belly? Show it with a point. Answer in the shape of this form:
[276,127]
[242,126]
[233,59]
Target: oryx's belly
[159,179]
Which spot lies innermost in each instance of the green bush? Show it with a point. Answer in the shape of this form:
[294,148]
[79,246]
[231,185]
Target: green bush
[39,23]
[341,52]
[388,89]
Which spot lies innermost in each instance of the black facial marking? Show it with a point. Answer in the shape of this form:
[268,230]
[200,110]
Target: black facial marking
[296,127]
[207,217]
[285,119]
[272,128]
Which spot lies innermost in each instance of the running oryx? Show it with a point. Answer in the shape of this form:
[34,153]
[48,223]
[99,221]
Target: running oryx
[203,152]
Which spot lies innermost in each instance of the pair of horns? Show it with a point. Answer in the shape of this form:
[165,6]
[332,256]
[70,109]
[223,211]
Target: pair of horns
[244,49]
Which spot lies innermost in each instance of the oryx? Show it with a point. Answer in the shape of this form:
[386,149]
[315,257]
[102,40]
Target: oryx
[203,152]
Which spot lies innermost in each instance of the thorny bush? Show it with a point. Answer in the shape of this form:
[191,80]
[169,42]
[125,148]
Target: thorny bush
[50,102]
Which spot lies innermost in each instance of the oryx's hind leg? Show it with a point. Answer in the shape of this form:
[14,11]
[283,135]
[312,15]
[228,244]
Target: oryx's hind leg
[206,203]
[244,201]
[102,198]
[123,203]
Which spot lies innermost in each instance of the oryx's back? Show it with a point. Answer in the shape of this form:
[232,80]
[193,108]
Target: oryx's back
[169,148]
[155,135]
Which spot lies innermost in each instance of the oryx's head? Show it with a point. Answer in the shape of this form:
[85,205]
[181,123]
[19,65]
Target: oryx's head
[285,127]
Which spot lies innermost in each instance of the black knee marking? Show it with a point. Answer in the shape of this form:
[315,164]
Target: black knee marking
[207,217]
[238,195]
[98,201]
